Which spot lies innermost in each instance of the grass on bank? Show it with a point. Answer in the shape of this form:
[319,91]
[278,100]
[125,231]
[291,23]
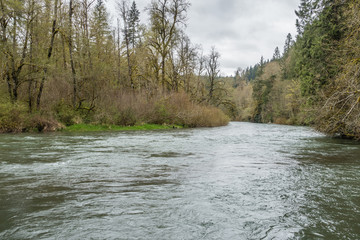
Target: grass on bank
[99,128]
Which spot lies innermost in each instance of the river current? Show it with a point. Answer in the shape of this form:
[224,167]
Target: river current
[242,181]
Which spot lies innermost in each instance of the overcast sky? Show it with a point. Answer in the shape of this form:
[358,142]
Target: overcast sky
[241,30]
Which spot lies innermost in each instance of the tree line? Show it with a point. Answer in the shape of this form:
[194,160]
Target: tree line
[316,79]
[64,57]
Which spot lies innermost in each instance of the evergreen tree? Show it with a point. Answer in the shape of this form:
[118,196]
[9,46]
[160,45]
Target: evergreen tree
[277,54]
[130,19]
[133,25]
[288,44]
[306,14]
[315,48]
[100,23]
[340,109]
[261,66]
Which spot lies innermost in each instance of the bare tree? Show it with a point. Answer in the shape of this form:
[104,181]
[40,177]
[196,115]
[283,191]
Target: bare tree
[166,17]
[187,54]
[212,70]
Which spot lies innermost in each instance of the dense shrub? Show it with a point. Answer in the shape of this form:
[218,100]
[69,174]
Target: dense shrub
[12,117]
[121,109]
[174,108]
[15,118]
[43,124]
[126,117]
[66,114]
[178,109]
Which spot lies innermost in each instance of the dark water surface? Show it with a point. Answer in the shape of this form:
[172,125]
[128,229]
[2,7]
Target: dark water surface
[242,181]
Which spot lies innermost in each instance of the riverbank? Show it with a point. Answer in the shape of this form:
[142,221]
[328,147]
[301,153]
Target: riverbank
[136,111]
[100,128]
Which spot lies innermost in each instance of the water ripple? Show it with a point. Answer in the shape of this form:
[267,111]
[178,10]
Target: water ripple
[243,181]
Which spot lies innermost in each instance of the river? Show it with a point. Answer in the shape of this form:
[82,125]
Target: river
[242,181]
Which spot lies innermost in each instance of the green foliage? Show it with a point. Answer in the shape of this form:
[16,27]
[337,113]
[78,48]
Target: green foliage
[316,81]
[133,22]
[261,94]
[67,65]
[324,63]
[250,73]
[316,50]
[306,14]
[288,45]
[338,113]
[66,114]
[15,118]
[126,117]
[100,22]
[287,64]
[12,117]
[161,112]
[277,54]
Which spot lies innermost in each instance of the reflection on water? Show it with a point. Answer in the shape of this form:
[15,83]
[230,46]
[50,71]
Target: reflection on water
[243,181]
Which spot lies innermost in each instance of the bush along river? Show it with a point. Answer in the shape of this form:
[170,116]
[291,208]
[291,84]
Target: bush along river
[242,181]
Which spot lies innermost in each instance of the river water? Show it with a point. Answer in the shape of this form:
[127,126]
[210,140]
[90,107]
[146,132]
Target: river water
[242,181]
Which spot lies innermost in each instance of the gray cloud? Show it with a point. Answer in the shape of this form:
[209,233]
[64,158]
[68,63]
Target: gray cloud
[241,30]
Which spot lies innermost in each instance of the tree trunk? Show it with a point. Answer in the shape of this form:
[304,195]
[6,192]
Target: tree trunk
[50,50]
[30,84]
[118,52]
[63,51]
[10,75]
[163,72]
[73,71]
[14,73]
[86,25]
[124,14]
[129,64]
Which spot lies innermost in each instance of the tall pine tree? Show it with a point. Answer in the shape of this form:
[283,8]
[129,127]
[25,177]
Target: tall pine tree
[133,25]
